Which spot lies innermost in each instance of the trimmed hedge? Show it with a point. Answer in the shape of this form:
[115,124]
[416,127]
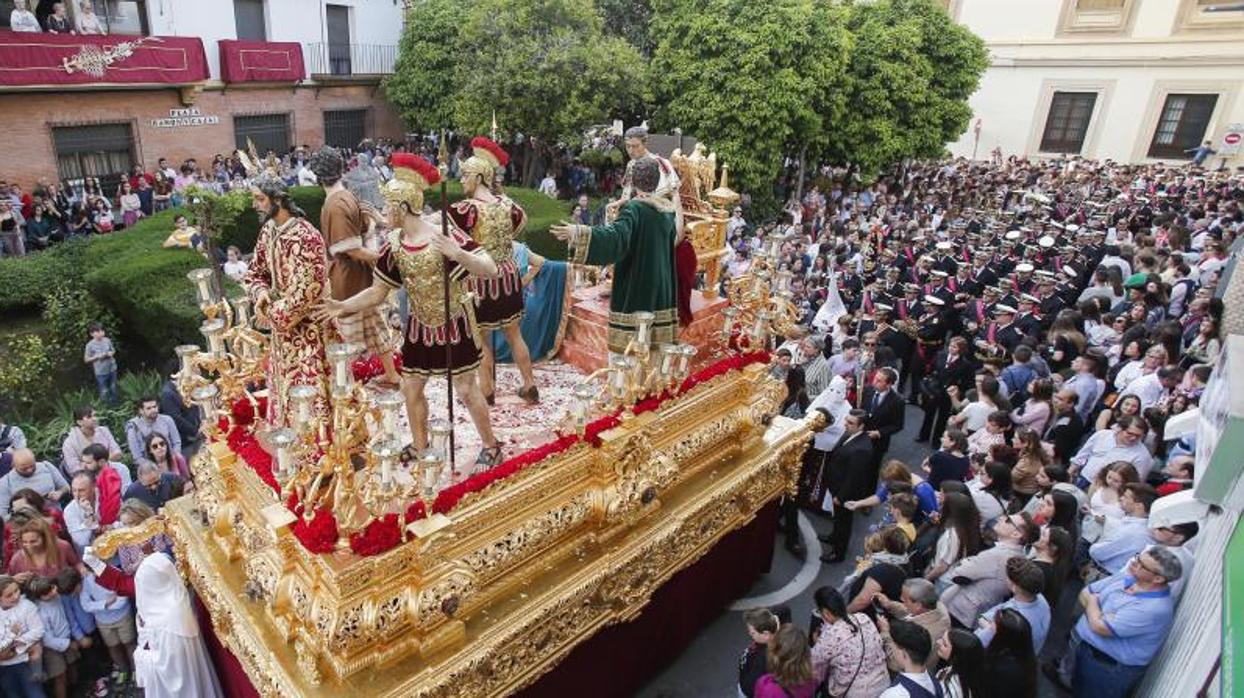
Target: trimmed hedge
[146,286]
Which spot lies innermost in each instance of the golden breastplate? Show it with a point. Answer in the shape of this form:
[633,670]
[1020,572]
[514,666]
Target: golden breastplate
[422,274]
[494,230]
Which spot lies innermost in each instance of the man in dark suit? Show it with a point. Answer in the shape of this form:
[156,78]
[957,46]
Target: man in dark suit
[847,476]
[952,366]
[884,410]
[1066,428]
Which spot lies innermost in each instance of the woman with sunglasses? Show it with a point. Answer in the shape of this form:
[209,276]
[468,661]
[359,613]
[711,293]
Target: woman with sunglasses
[157,451]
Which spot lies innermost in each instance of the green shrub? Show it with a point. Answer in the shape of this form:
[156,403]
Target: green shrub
[27,373]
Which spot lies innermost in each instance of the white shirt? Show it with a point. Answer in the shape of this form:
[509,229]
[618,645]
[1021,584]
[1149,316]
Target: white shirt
[1148,388]
[20,624]
[81,530]
[548,187]
[1102,449]
[924,679]
[24,21]
[236,270]
[1131,371]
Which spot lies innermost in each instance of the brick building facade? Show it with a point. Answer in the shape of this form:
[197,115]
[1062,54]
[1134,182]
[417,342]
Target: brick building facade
[32,119]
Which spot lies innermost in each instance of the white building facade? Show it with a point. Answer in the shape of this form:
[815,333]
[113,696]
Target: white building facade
[1137,81]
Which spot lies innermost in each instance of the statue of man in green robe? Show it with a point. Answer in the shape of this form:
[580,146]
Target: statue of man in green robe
[640,245]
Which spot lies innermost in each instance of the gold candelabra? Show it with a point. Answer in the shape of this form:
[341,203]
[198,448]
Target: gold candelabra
[333,464]
[639,371]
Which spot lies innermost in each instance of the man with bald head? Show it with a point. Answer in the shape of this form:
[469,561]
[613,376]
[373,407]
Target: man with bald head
[29,473]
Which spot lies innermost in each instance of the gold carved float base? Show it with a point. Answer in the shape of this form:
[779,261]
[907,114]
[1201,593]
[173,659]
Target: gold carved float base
[519,575]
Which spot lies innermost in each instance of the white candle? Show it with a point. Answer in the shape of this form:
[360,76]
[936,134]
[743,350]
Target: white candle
[386,472]
[340,376]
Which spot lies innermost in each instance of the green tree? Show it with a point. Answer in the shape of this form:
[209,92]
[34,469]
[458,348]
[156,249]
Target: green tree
[755,81]
[546,69]
[424,78]
[910,75]
[628,19]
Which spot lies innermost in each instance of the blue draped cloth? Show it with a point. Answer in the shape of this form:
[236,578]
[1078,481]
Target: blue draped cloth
[543,299]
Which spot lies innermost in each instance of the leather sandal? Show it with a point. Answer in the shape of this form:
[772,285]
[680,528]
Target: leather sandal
[530,395]
[489,457]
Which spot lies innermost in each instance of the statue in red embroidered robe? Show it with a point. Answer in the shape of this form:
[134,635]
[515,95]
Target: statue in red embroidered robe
[287,279]
[493,221]
[417,257]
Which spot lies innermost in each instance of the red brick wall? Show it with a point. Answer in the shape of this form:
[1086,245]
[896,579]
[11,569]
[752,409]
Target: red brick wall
[28,153]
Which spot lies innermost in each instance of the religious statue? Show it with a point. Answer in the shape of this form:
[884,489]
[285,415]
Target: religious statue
[438,339]
[344,224]
[667,198]
[287,279]
[493,221]
[640,242]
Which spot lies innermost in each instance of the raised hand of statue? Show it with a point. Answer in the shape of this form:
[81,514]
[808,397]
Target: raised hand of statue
[563,230]
[328,310]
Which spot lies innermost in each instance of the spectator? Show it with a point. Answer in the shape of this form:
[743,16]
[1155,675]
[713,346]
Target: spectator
[1066,427]
[884,411]
[165,461]
[22,19]
[960,536]
[1037,410]
[548,185]
[846,475]
[1123,443]
[1126,619]
[60,651]
[235,267]
[148,421]
[153,487]
[1104,498]
[131,205]
[86,431]
[918,605]
[40,552]
[991,491]
[12,438]
[1010,663]
[1154,387]
[894,476]
[951,461]
[115,622]
[762,624]
[1087,387]
[993,434]
[12,234]
[979,582]
[1033,456]
[27,473]
[1054,552]
[82,514]
[964,660]
[880,572]
[849,656]
[100,355]
[58,22]
[111,479]
[21,629]
[1127,535]
[790,663]
[913,649]
[1026,582]
[1124,405]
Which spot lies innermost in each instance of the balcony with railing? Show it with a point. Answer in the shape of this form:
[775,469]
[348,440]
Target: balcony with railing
[329,60]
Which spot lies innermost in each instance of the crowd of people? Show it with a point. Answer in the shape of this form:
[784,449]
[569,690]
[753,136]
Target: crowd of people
[56,615]
[56,18]
[1047,318]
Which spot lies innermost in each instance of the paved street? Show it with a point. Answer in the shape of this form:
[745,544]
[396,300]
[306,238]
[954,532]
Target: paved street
[709,665]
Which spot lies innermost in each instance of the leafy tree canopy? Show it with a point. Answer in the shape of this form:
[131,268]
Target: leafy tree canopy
[753,80]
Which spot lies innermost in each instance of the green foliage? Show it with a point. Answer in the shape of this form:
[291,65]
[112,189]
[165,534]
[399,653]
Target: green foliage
[423,81]
[26,372]
[756,81]
[234,222]
[629,20]
[47,422]
[544,66]
[910,75]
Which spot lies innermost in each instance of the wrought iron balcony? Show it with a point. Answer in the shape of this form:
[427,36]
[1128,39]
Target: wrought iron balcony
[345,60]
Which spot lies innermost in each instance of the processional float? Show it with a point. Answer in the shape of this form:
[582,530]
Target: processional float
[326,564]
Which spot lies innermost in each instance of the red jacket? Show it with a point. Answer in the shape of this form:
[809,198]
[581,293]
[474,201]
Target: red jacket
[108,482]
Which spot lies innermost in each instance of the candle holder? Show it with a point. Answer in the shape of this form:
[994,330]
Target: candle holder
[242,312]
[284,441]
[643,320]
[438,438]
[385,453]
[430,466]
[581,408]
[620,368]
[205,397]
[760,331]
[214,331]
[302,399]
[339,356]
[390,403]
[205,285]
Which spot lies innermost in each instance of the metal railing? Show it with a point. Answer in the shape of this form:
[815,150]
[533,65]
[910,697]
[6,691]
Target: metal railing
[349,59]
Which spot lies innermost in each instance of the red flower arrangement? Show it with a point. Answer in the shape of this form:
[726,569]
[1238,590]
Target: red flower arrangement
[381,535]
[369,367]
